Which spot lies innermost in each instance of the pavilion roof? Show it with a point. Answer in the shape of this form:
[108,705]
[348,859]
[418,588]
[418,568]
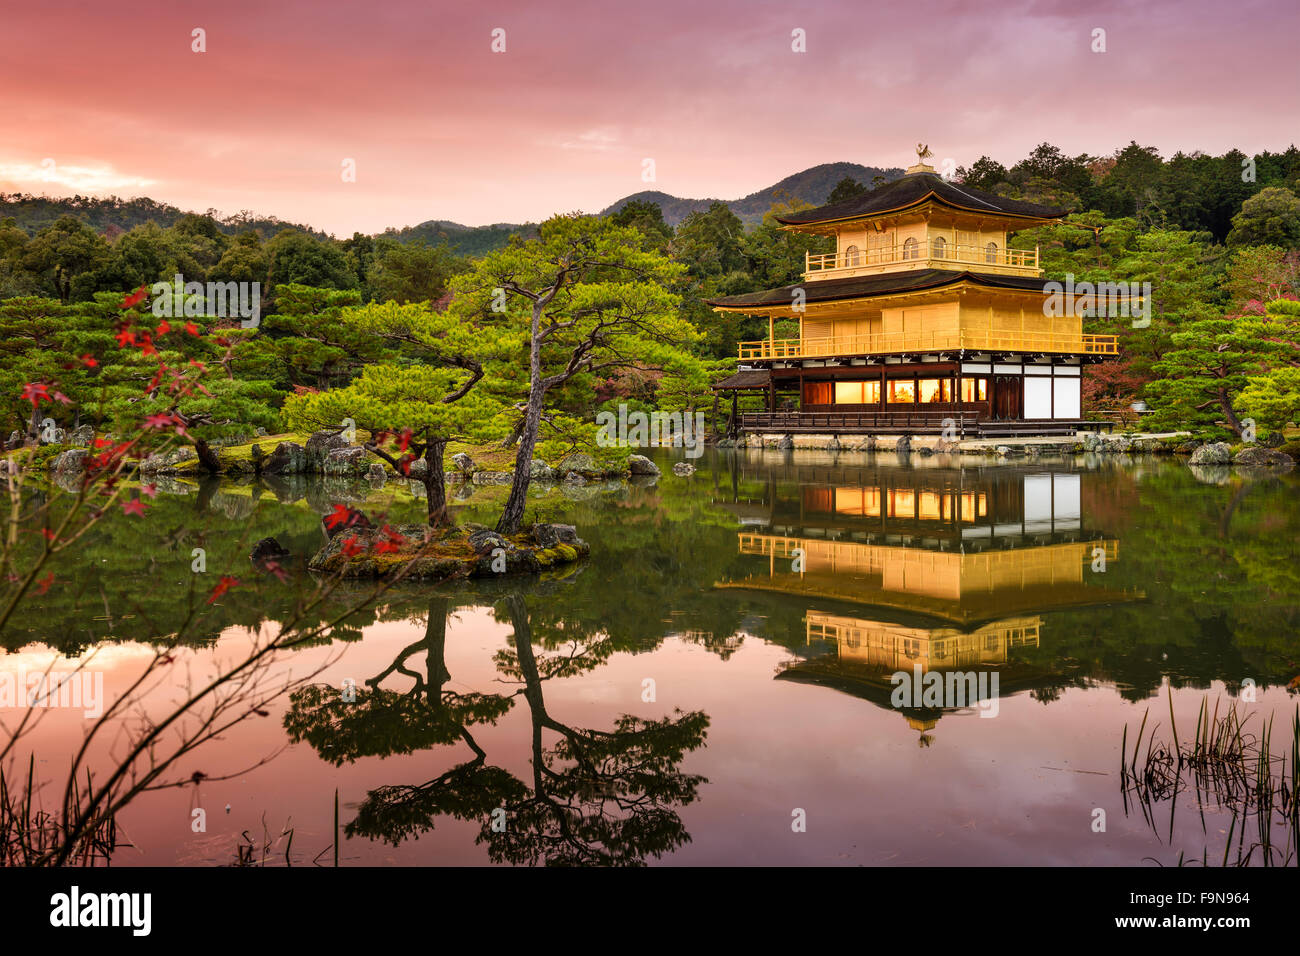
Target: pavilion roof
[885,283]
[915,189]
[755,378]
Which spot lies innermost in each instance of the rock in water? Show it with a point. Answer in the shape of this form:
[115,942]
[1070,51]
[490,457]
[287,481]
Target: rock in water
[641,465]
[683,469]
[486,540]
[319,445]
[73,462]
[289,458]
[1215,453]
[549,535]
[1256,456]
[348,461]
[580,462]
[464,464]
[267,549]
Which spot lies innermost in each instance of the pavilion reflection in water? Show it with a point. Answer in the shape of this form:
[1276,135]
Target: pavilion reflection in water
[957,567]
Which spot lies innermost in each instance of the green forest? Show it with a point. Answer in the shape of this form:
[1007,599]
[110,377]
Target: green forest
[373,326]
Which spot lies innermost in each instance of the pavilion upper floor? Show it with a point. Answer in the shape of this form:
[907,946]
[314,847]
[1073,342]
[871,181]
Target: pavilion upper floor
[921,221]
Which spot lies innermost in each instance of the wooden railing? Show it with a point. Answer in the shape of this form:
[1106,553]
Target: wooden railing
[887,343]
[963,423]
[933,252]
[959,423]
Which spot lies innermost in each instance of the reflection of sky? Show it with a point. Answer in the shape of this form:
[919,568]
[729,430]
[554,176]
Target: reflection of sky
[441,127]
[1015,789]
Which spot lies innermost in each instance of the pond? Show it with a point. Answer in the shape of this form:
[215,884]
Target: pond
[727,680]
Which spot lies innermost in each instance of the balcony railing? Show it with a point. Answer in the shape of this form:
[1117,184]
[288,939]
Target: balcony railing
[893,343]
[933,254]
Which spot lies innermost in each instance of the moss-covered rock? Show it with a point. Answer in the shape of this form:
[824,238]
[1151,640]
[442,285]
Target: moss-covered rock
[417,553]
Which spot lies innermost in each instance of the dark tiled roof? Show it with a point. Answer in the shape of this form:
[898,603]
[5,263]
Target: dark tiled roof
[859,287]
[746,378]
[913,189]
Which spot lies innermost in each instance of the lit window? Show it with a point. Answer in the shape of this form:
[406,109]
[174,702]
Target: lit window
[848,393]
[974,389]
[871,394]
[851,257]
[902,391]
[910,250]
[930,390]
[940,245]
[991,252]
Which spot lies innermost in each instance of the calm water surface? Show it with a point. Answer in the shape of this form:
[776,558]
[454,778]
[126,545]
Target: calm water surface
[714,685]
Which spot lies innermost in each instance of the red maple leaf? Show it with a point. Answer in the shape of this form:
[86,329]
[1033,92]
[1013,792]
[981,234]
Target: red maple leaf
[403,439]
[342,516]
[36,392]
[43,585]
[133,507]
[224,585]
[160,420]
[125,337]
[49,533]
[134,299]
[392,541]
[163,327]
[88,360]
[150,489]
[351,548]
[191,328]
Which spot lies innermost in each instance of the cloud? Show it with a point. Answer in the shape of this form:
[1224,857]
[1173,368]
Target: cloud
[47,173]
[600,139]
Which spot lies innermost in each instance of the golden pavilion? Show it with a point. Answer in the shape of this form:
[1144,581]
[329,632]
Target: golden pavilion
[923,318]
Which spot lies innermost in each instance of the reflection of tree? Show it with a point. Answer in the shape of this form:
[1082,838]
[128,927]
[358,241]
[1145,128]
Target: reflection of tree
[596,796]
[383,722]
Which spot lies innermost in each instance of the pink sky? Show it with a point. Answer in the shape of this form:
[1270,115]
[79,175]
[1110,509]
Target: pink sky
[441,127]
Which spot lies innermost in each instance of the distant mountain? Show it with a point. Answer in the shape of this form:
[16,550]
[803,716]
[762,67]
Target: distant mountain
[34,213]
[812,186]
